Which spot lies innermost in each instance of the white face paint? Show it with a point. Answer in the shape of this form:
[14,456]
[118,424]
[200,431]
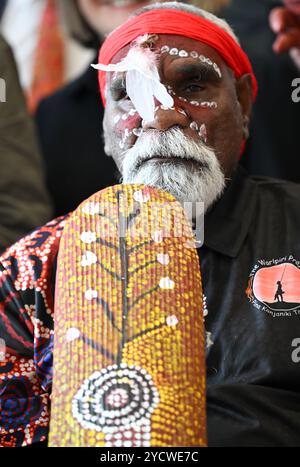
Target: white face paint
[142,80]
[137,131]
[198,103]
[123,122]
[209,105]
[173,162]
[193,54]
[202,132]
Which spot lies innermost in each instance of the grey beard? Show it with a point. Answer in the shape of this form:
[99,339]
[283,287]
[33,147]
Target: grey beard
[200,181]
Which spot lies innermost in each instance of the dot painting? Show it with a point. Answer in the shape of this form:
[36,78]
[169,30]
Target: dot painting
[129,347]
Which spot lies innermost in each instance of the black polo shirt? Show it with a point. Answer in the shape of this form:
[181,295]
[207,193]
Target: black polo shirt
[252,243]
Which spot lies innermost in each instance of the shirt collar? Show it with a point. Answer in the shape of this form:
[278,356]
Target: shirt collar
[227,224]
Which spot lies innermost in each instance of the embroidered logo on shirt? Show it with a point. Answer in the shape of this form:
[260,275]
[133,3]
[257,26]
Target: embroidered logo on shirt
[274,286]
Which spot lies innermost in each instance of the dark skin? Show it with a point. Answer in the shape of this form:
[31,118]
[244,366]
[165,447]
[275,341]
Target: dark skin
[227,125]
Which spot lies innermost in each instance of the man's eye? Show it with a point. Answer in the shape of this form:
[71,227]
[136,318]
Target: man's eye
[193,88]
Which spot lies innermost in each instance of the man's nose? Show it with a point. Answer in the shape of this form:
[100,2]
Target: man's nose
[165,118]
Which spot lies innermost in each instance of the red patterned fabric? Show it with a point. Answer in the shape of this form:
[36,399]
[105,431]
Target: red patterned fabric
[26,330]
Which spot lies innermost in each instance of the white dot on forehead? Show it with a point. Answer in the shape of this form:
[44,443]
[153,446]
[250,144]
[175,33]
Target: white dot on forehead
[183,53]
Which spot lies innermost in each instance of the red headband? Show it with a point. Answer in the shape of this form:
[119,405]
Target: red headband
[178,23]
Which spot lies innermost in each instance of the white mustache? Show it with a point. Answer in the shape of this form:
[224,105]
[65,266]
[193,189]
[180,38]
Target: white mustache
[204,181]
[171,143]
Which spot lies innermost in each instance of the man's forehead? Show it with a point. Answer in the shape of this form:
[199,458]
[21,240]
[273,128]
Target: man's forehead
[180,43]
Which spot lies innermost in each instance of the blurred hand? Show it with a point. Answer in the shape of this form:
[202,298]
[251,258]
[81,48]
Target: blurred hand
[286,24]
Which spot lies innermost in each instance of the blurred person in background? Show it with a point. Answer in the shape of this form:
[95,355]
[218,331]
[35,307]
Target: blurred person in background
[273,146]
[47,56]
[24,203]
[70,121]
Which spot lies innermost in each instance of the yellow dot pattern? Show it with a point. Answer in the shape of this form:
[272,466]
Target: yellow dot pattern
[128,282]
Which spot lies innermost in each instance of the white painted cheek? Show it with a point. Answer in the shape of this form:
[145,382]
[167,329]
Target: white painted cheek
[118,130]
[127,136]
[124,127]
[201,131]
[137,131]
[196,103]
[212,105]
[181,111]
[194,126]
[209,105]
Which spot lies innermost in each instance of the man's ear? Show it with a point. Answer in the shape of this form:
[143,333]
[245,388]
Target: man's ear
[243,87]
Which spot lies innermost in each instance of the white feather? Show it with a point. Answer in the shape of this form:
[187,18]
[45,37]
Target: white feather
[142,81]
[139,89]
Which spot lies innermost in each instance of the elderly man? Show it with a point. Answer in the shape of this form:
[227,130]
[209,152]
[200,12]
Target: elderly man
[179,122]
[74,113]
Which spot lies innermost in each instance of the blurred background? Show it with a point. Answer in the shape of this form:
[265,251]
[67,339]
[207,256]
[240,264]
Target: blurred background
[51,147]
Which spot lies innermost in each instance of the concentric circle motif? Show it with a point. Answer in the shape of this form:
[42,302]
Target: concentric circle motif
[116,397]
[17,409]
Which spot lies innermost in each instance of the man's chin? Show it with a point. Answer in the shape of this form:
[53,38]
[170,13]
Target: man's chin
[183,189]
